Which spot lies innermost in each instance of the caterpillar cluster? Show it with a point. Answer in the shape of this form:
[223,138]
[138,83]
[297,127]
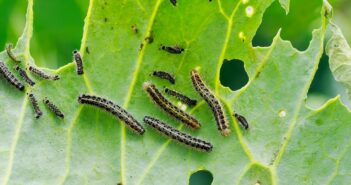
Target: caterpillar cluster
[153,92]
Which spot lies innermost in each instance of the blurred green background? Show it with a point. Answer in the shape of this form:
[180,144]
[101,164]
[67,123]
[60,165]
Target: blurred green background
[58,27]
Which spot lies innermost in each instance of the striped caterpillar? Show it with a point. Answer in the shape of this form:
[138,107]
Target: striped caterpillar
[79,62]
[212,101]
[164,75]
[242,120]
[53,108]
[114,109]
[10,77]
[25,76]
[35,105]
[41,74]
[176,135]
[10,53]
[172,49]
[168,107]
[181,97]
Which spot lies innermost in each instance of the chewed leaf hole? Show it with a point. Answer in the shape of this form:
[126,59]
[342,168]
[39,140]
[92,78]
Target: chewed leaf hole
[202,177]
[233,74]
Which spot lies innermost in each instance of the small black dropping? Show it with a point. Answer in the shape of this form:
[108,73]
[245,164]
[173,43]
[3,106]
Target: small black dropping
[105,19]
[10,53]
[10,77]
[172,49]
[164,75]
[135,29]
[41,74]
[87,50]
[53,108]
[33,100]
[141,46]
[25,76]
[242,120]
[174,2]
[79,62]
[181,97]
[150,39]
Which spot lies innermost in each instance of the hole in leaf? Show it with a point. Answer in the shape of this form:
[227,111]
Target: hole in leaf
[202,177]
[297,26]
[233,74]
[324,86]
[57,31]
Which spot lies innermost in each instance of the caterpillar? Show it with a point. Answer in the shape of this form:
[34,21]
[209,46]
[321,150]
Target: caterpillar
[10,77]
[242,120]
[35,105]
[174,2]
[79,62]
[41,74]
[114,109]
[10,53]
[176,135]
[25,76]
[212,101]
[53,108]
[181,97]
[164,75]
[168,107]
[172,49]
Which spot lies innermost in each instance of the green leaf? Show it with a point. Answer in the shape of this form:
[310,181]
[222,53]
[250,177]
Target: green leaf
[287,143]
[339,53]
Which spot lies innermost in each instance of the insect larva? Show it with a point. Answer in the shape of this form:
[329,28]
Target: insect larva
[181,97]
[41,74]
[10,53]
[168,107]
[10,77]
[53,108]
[212,101]
[114,109]
[176,135]
[25,76]
[242,120]
[164,75]
[172,49]
[35,105]
[78,59]
[174,2]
